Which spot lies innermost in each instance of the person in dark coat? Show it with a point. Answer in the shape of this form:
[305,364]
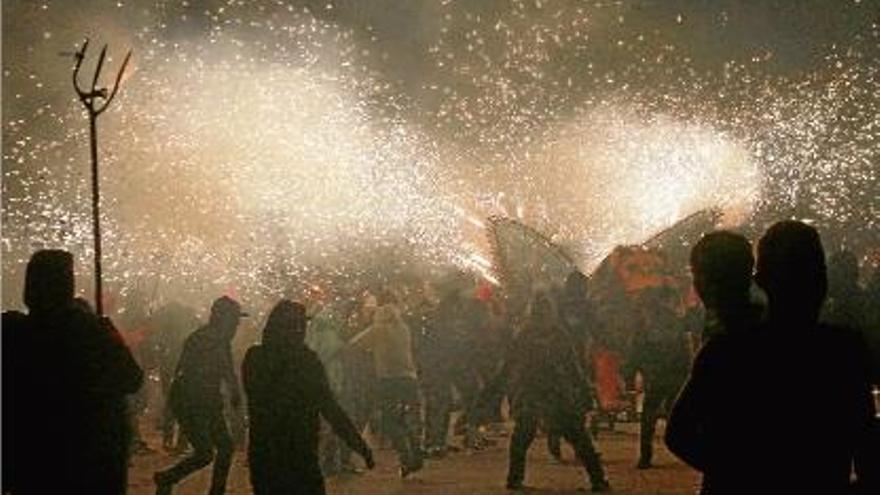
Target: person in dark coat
[546,384]
[287,394]
[812,377]
[660,355]
[576,316]
[196,398]
[447,356]
[872,329]
[171,325]
[66,373]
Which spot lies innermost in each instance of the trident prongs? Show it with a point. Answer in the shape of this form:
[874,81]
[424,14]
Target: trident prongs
[89,99]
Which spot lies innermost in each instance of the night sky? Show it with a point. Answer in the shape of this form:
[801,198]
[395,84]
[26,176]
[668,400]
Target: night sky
[486,107]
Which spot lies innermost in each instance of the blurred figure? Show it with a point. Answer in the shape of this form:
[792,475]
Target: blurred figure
[722,423]
[358,397]
[848,305]
[660,355]
[205,365]
[324,337]
[576,316]
[546,384]
[845,304]
[171,325]
[66,374]
[872,303]
[288,392]
[390,341]
[448,353]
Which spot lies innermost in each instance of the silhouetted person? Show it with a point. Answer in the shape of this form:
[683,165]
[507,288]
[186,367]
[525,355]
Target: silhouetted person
[546,384]
[205,365]
[721,265]
[287,393]
[576,316]
[786,408]
[660,355]
[66,374]
[390,341]
[171,325]
[449,353]
[872,335]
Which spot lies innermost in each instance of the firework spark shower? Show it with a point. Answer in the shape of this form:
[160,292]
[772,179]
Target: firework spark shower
[250,135]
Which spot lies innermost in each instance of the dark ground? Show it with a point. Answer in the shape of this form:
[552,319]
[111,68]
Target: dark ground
[469,472]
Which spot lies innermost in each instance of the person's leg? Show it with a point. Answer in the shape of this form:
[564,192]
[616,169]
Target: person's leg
[412,422]
[438,401]
[650,409]
[222,440]
[572,429]
[523,434]
[196,427]
[394,419]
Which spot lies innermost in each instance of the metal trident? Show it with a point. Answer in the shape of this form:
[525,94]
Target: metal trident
[90,99]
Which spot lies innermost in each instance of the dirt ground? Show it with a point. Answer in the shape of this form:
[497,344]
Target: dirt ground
[464,472]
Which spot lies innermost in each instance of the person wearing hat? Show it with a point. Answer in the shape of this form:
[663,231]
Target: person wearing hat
[287,394]
[204,367]
[66,373]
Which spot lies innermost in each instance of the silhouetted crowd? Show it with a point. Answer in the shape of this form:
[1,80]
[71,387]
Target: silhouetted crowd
[770,394]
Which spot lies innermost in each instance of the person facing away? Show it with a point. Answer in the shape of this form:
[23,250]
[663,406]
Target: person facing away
[287,393]
[576,317]
[390,341]
[872,334]
[786,408]
[204,367]
[66,373]
[660,355]
[721,265]
[545,383]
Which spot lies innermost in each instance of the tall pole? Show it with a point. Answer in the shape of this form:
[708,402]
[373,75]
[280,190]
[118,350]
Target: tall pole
[89,100]
[96,213]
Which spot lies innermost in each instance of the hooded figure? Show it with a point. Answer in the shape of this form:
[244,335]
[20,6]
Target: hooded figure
[287,394]
[66,373]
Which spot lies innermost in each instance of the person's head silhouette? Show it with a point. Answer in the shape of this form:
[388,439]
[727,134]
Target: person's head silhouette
[721,264]
[49,281]
[225,315]
[286,325]
[791,270]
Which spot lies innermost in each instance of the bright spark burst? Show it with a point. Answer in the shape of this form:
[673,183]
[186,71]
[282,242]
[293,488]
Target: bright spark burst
[258,144]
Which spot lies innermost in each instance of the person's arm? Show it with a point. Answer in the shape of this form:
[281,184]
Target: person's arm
[121,374]
[684,428]
[339,420]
